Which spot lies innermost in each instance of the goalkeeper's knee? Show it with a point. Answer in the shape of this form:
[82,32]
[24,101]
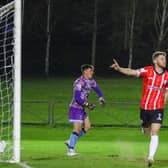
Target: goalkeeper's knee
[87,127]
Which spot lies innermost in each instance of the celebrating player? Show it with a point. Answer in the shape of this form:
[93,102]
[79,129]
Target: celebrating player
[77,114]
[155,84]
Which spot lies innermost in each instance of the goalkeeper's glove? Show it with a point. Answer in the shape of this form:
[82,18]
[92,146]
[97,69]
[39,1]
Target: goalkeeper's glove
[102,101]
[90,106]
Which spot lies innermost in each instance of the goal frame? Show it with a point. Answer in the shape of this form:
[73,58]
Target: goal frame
[17,82]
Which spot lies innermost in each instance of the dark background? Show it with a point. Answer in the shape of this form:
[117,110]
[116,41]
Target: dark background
[71,28]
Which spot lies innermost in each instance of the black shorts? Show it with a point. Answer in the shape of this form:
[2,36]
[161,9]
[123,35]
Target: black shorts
[149,117]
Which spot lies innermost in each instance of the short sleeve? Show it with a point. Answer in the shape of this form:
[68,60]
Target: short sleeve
[142,72]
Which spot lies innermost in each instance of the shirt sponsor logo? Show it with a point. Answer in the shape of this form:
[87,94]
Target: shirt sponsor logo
[155,88]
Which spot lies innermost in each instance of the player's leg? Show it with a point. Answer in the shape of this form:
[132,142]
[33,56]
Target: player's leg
[145,122]
[74,135]
[76,117]
[73,139]
[79,131]
[155,127]
[87,124]
[146,131]
[156,120]
[86,128]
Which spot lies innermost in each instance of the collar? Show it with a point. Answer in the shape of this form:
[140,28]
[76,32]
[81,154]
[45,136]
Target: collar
[158,72]
[83,78]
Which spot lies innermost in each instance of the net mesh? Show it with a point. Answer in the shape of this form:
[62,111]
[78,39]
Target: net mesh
[6,80]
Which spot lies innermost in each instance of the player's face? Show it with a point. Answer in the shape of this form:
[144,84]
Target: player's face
[88,73]
[160,61]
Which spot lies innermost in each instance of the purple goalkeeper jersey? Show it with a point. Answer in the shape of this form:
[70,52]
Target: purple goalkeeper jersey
[81,90]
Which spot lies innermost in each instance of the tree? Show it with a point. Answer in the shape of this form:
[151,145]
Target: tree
[48,39]
[86,23]
[161,22]
[131,33]
[94,34]
[126,32]
[129,27]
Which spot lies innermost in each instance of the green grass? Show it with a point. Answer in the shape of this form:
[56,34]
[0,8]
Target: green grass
[60,90]
[42,146]
[101,147]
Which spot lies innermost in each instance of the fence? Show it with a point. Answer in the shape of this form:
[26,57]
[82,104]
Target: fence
[38,112]
[53,112]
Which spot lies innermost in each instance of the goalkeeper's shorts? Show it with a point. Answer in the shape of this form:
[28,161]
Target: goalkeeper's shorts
[76,115]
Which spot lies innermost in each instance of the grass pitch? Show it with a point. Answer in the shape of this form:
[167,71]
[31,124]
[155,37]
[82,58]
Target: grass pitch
[43,146]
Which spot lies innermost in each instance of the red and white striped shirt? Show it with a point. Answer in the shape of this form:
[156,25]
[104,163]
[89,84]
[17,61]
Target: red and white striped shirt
[154,85]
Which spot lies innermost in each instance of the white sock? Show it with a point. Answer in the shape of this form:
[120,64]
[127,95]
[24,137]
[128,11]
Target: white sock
[153,146]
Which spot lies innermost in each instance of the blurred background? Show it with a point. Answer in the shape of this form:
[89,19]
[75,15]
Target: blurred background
[60,35]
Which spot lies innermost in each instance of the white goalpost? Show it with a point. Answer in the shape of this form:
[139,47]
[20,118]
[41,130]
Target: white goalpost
[17,82]
[10,81]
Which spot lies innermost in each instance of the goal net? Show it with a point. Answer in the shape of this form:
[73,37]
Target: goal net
[10,82]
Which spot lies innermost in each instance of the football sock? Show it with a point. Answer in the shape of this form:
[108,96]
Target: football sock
[153,145]
[82,132]
[73,140]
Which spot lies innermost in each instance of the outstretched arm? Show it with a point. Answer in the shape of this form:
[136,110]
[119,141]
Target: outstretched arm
[82,102]
[98,91]
[100,95]
[125,71]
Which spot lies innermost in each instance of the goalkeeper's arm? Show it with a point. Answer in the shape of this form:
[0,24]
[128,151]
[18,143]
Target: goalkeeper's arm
[100,95]
[82,102]
[125,71]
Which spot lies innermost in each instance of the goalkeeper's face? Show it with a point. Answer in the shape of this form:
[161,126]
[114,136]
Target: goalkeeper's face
[88,73]
[160,61]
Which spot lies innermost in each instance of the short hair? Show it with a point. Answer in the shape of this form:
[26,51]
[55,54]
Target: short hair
[86,66]
[157,53]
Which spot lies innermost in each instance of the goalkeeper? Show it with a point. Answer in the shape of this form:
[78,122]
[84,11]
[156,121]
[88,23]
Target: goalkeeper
[77,115]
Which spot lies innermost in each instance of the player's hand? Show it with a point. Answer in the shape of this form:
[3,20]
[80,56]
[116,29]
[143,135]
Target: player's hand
[102,101]
[90,106]
[115,65]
